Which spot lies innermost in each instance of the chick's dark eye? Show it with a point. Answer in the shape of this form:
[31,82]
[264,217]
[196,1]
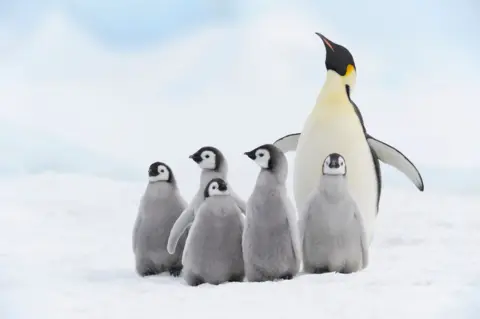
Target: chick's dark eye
[162,171]
[207,156]
[261,154]
[214,187]
[341,163]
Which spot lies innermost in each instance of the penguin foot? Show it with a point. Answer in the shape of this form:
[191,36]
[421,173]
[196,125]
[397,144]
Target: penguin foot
[193,280]
[145,268]
[286,277]
[149,272]
[320,270]
[175,271]
[236,278]
[348,270]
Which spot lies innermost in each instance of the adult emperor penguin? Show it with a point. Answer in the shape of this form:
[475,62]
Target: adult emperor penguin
[213,251]
[160,206]
[271,247]
[214,165]
[331,227]
[336,125]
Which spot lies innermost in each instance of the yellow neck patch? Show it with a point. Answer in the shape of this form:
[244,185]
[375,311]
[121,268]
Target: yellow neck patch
[350,69]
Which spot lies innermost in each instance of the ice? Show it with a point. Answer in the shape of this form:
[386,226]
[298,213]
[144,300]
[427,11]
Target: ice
[66,253]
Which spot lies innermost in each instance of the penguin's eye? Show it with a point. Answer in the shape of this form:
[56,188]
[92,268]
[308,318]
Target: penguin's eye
[207,156]
[261,154]
[341,163]
[162,171]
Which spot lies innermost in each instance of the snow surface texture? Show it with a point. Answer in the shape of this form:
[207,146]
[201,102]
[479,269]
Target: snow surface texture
[66,253]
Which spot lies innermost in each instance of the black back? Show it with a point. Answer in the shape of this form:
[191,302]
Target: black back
[376,161]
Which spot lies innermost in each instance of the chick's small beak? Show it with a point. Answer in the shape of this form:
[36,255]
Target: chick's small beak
[250,154]
[196,158]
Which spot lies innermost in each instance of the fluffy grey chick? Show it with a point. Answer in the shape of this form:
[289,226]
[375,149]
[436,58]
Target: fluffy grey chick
[331,226]
[270,240]
[160,207]
[213,165]
[213,251]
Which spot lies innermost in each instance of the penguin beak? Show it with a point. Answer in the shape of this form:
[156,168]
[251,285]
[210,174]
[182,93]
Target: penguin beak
[250,154]
[326,42]
[196,158]
[334,164]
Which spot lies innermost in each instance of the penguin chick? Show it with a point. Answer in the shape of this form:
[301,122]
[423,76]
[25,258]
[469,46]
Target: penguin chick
[331,227]
[213,165]
[270,240]
[213,250]
[160,207]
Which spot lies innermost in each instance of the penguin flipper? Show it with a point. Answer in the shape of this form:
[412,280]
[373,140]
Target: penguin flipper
[301,225]
[136,227]
[181,224]
[292,224]
[243,221]
[240,202]
[288,143]
[393,157]
[363,237]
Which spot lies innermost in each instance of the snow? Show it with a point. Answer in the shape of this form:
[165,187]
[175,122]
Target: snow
[66,253]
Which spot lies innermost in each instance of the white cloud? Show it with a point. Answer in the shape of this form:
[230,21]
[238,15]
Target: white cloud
[233,87]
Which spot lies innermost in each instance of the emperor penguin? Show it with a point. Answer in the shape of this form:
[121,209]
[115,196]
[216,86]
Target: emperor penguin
[213,251]
[160,207]
[331,227]
[214,165]
[270,241]
[336,125]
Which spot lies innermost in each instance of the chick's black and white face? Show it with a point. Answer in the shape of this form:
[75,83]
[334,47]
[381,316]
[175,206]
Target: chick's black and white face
[262,157]
[158,172]
[334,164]
[217,188]
[208,160]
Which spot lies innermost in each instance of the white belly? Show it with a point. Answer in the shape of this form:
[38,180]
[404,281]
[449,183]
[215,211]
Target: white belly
[341,133]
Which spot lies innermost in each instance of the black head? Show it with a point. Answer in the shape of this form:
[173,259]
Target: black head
[338,58]
[208,157]
[266,156]
[215,187]
[334,164]
[159,171]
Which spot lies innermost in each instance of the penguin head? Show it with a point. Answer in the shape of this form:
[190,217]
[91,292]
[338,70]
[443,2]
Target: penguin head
[160,172]
[262,156]
[334,164]
[267,156]
[339,63]
[208,157]
[216,187]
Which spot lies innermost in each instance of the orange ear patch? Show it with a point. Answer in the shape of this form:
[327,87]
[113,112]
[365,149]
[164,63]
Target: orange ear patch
[350,69]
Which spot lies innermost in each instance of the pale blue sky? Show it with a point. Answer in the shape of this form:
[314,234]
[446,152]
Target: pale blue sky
[88,85]
[130,24]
